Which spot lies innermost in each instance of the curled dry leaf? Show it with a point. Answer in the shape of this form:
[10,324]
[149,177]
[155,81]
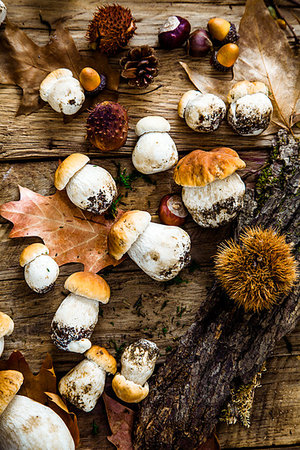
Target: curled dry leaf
[265,55]
[120,419]
[71,235]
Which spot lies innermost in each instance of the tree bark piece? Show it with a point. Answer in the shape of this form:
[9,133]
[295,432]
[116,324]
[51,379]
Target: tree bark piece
[225,346]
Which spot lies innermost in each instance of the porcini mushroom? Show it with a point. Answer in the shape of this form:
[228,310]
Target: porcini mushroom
[161,251]
[155,150]
[84,384]
[202,112]
[3,12]
[250,109]
[212,191]
[40,270]
[6,329]
[26,424]
[138,362]
[89,187]
[77,316]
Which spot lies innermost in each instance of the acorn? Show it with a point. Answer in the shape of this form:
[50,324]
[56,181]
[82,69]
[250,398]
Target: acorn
[107,126]
[224,59]
[222,32]
[91,81]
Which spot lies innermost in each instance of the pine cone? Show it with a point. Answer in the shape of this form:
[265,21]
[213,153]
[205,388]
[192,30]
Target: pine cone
[139,67]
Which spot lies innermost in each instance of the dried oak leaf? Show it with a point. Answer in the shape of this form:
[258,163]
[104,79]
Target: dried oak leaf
[26,64]
[265,55]
[71,235]
[120,419]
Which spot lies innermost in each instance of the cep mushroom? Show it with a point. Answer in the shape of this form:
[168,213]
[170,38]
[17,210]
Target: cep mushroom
[84,384]
[155,150]
[89,187]
[3,12]
[26,424]
[62,91]
[202,112]
[77,316]
[6,329]
[212,191]
[138,362]
[161,251]
[250,109]
[40,270]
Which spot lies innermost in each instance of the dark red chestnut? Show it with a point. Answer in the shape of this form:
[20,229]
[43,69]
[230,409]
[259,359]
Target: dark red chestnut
[172,211]
[199,43]
[174,32]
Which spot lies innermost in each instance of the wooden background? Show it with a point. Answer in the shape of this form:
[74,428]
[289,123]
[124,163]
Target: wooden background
[29,151]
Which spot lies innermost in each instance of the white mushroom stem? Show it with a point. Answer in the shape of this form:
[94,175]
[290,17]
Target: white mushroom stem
[138,361]
[1,345]
[3,12]
[161,251]
[27,425]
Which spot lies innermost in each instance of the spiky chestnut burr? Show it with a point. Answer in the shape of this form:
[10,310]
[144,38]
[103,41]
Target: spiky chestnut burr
[257,271]
[111,28]
[107,126]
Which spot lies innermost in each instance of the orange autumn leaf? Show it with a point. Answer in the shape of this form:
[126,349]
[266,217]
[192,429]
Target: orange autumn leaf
[71,234]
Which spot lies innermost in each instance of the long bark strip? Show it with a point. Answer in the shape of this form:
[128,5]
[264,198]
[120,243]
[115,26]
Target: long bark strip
[225,346]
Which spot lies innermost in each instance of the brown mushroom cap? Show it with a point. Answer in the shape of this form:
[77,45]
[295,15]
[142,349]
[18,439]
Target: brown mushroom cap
[10,383]
[31,252]
[200,168]
[6,325]
[128,391]
[103,358]
[245,87]
[88,285]
[68,168]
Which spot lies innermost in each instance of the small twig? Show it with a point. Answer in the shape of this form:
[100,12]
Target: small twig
[280,16]
[45,22]
[134,93]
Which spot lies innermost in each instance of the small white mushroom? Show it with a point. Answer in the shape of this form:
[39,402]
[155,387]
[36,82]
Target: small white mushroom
[77,316]
[3,12]
[62,91]
[40,270]
[89,187]
[202,112]
[138,363]
[84,384]
[161,251]
[155,150]
[6,329]
[26,424]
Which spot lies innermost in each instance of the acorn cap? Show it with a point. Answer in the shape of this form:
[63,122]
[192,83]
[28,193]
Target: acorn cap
[125,232]
[245,87]
[128,391]
[6,325]
[185,99]
[150,124]
[88,285]
[200,168]
[10,383]
[68,168]
[31,252]
[103,358]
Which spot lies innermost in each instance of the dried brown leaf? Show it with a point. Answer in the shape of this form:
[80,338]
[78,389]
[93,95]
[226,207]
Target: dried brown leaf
[120,419]
[212,443]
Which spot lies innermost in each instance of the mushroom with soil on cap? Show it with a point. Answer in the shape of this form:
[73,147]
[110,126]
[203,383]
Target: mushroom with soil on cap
[84,384]
[155,150]
[138,363]
[250,109]
[77,315]
[40,270]
[88,186]
[6,329]
[26,424]
[202,112]
[161,251]
[212,191]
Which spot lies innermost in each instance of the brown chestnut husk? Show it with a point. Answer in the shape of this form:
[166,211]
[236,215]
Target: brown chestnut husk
[199,43]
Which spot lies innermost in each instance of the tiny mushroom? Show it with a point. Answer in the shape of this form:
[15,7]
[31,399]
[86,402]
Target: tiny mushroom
[26,424]
[84,384]
[138,362]
[3,12]
[155,150]
[202,112]
[88,186]
[62,91]
[250,109]
[40,270]
[161,251]
[6,329]
[77,315]
[212,191]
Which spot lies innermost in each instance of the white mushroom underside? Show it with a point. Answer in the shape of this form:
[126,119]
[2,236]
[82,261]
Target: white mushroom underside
[161,251]
[83,385]
[92,188]
[204,112]
[154,152]
[28,425]
[1,345]
[138,361]
[41,273]
[216,203]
